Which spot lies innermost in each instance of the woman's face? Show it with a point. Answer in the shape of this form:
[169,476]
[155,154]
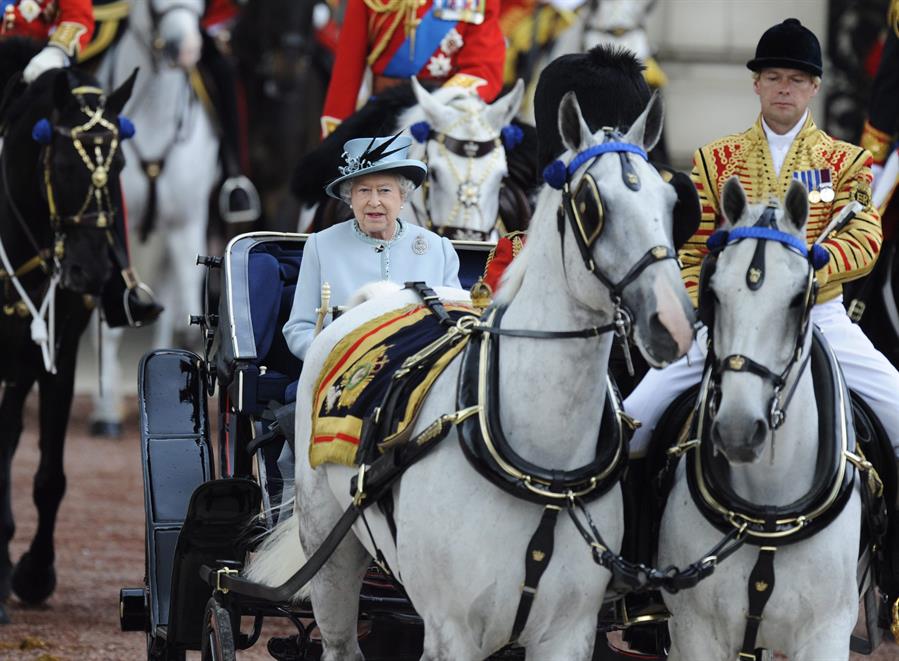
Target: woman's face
[376,200]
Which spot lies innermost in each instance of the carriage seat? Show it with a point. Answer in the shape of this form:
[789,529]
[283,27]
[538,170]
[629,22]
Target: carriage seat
[272,273]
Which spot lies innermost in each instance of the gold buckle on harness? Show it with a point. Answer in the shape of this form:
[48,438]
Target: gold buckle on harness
[360,487]
[218,578]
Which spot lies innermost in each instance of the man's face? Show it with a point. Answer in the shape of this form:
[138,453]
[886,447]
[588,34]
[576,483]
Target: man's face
[784,95]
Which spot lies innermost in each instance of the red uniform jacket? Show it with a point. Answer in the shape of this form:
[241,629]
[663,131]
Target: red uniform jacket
[404,38]
[219,11]
[68,24]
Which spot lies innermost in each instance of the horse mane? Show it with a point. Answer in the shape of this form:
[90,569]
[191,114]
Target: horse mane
[541,222]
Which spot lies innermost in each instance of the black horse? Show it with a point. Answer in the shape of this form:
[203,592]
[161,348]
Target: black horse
[59,172]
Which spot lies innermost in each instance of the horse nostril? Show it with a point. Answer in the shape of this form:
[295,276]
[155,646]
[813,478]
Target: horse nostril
[759,433]
[665,346]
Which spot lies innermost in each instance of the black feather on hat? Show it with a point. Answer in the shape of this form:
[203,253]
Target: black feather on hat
[789,45]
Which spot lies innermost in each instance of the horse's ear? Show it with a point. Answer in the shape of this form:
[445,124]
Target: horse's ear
[503,110]
[431,107]
[647,128]
[572,127]
[733,201]
[796,205]
[117,100]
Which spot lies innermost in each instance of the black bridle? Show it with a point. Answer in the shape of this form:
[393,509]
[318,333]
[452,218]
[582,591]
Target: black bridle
[764,231]
[586,231]
[467,191]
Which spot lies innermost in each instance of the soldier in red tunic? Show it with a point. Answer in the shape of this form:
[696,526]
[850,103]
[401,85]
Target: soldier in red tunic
[69,24]
[455,42]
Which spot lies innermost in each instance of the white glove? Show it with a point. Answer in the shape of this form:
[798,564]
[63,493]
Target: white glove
[876,170]
[50,57]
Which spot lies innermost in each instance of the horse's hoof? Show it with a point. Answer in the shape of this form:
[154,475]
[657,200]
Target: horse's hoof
[32,581]
[4,617]
[106,429]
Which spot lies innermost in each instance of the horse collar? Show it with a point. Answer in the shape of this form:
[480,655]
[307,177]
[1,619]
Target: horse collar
[489,452]
[709,483]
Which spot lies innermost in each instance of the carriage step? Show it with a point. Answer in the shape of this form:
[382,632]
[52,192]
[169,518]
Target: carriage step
[134,609]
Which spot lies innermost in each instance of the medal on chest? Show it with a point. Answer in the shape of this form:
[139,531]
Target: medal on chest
[818,183]
[466,11]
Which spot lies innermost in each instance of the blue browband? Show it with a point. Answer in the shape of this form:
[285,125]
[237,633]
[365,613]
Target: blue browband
[604,148]
[556,173]
[721,238]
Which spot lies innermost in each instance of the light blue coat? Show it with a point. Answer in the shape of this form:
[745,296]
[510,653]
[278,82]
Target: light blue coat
[346,261]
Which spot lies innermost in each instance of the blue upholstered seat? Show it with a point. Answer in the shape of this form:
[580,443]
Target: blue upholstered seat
[272,277]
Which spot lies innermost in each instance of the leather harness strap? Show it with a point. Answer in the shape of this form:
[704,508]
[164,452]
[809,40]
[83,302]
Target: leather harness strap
[536,560]
[761,585]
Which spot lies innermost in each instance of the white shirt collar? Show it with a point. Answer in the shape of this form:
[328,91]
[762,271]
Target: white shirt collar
[779,144]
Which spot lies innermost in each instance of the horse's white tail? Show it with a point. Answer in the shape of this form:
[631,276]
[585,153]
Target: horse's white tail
[278,557]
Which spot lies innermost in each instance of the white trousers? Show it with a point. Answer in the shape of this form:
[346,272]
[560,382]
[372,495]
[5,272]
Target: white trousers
[867,372]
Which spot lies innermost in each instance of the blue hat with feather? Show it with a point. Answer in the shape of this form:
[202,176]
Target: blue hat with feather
[365,156]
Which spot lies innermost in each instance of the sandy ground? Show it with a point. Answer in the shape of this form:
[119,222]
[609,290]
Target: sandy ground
[100,548]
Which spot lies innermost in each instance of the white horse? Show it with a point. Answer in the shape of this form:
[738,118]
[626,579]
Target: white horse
[460,137]
[811,609]
[461,541]
[175,149]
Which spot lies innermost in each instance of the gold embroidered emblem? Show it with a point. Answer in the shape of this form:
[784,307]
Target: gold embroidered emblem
[760,586]
[660,252]
[755,275]
[538,555]
[863,196]
[736,363]
[360,375]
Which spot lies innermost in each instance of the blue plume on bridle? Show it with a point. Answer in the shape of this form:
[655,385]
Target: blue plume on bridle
[818,258]
[511,135]
[557,173]
[42,131]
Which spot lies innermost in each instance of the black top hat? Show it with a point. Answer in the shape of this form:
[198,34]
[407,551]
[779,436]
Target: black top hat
[790,45]
[609,86]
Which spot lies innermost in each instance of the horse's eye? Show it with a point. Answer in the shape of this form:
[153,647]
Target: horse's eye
[798,300]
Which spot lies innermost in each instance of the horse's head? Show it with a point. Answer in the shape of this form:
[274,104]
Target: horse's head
[81,159]
[175,30]
[757,288]
[620,23]
[462,140]
[619,212]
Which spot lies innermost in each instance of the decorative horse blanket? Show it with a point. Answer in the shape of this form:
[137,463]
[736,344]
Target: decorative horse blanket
[358,371]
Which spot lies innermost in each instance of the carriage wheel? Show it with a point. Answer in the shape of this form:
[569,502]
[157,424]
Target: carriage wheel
[218,636]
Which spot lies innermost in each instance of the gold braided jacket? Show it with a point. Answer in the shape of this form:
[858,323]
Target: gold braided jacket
[853,249]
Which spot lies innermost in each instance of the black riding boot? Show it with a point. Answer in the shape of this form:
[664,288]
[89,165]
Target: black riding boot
[238,200]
